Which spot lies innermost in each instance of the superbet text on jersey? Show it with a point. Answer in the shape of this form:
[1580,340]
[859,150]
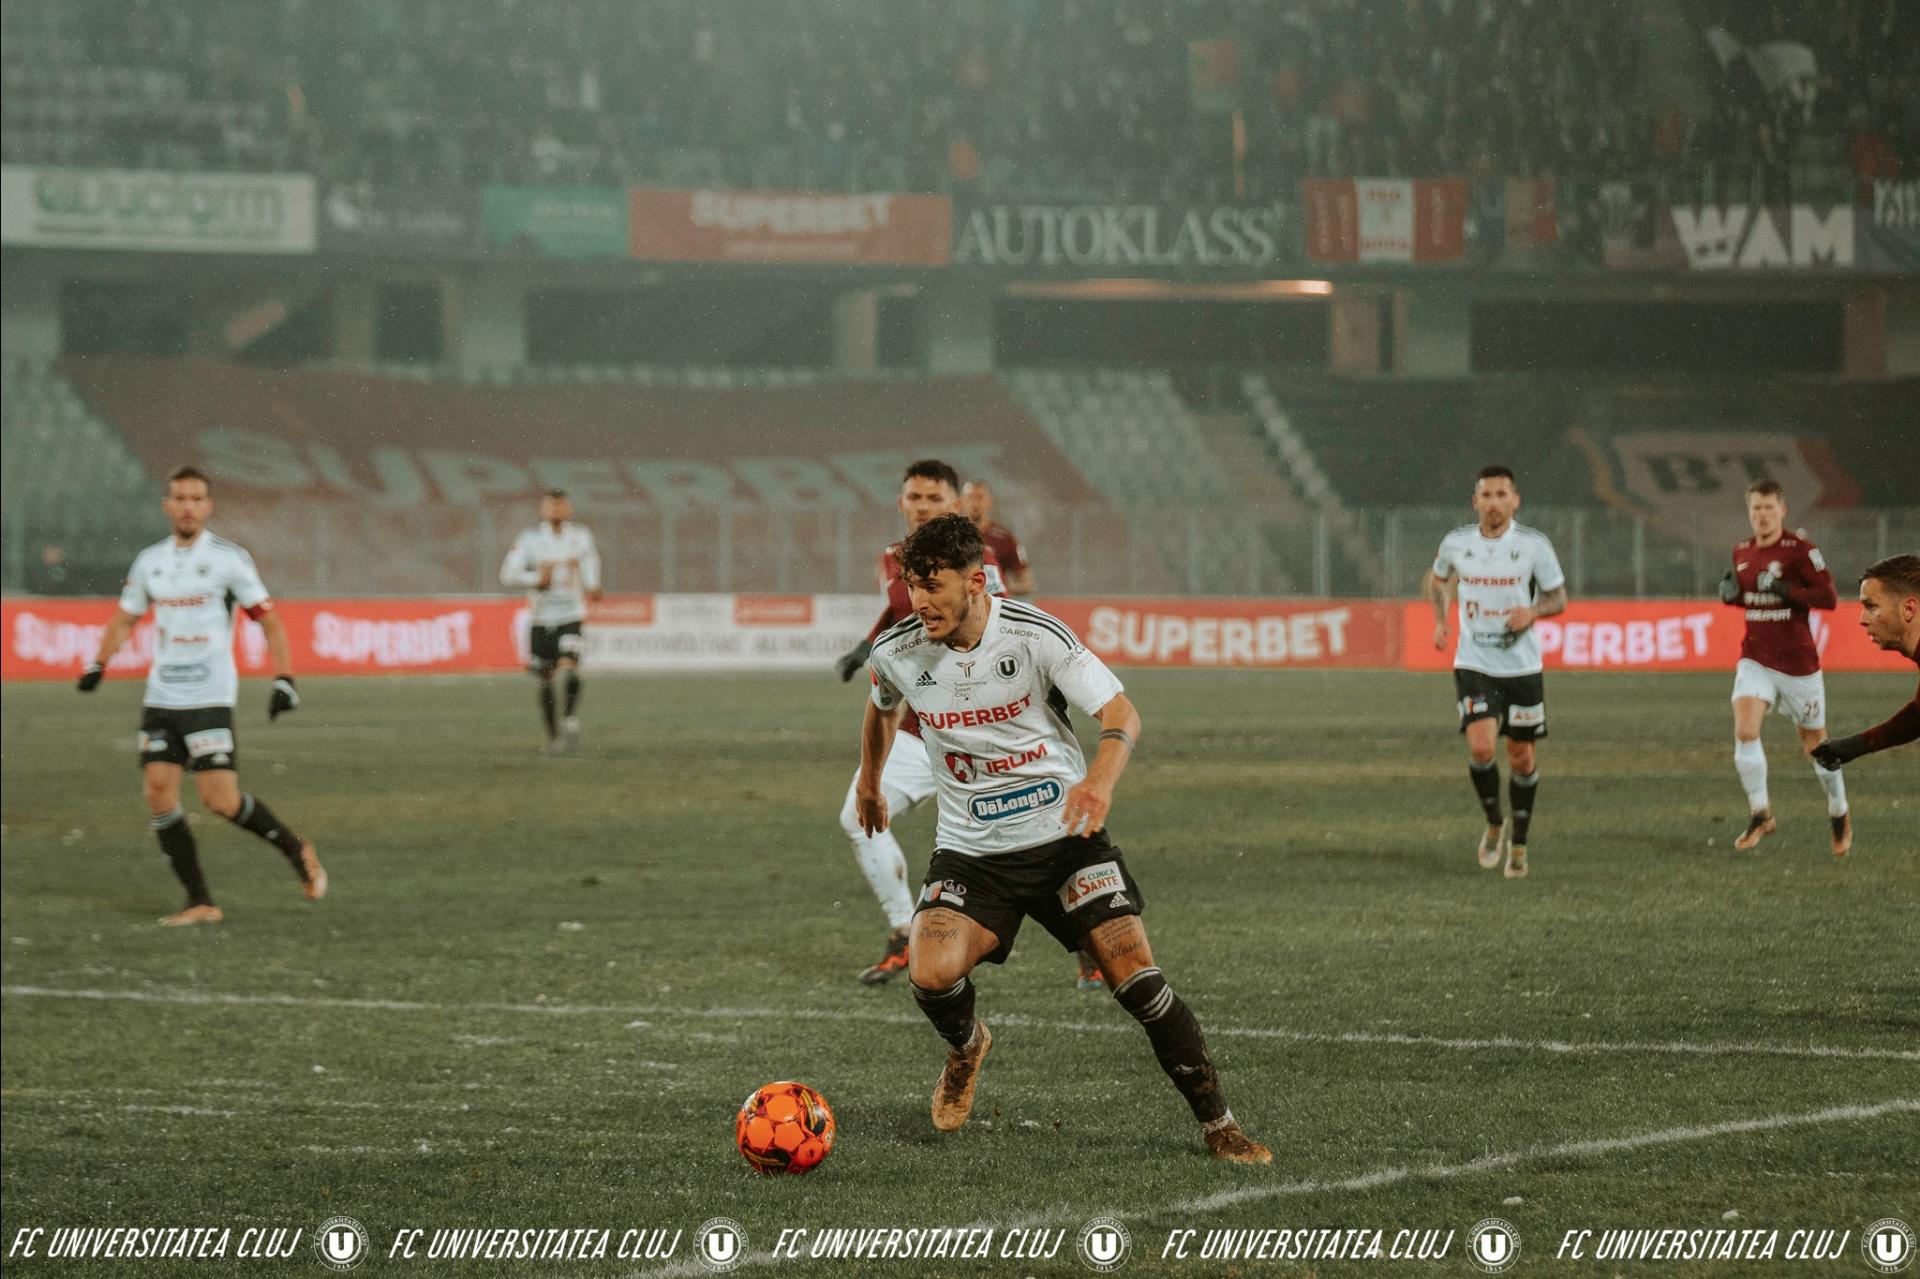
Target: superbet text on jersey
[1498,575]
[1779,633]
[192,590]
[994,720]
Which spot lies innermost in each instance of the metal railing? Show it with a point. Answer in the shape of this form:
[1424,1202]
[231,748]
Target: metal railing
[306,547]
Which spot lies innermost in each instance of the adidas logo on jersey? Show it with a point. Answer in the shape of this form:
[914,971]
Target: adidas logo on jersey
[926,680]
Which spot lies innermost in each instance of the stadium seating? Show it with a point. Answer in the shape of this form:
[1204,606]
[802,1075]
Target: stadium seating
[70,480]
[1072,101]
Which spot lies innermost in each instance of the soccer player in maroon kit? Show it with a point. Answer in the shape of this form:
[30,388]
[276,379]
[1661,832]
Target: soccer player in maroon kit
[1890,614]
[977,500]
[929,488]
[1778,577]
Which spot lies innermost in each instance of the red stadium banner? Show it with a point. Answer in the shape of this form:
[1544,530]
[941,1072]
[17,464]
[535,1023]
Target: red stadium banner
[1270,634]
[1655,635]
[1386,219]
[52,639]
[788,226]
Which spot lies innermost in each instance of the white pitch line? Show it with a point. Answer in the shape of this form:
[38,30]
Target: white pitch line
[1433,1172]
[1116,1026]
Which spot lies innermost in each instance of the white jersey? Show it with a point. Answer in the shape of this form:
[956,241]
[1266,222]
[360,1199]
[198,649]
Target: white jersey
[1497,576]
[565,549]
[192,591]
[994,720]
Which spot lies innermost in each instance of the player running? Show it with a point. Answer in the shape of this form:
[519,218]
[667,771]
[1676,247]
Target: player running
[558,563]
[977,500]
[1890,614]
[929,489]
[1777,577]
[1507,578]
[192,581]
[1021,817]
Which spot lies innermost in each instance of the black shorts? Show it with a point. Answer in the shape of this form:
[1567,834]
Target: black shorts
[1518,702]
[1068,887]
[551,643]
[200,739]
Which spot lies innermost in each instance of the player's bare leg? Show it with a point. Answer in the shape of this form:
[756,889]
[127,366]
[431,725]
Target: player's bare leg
[1750,762]
[1089,977]
[1839,820]
[1120,946]
[1523,783]
[945,947]
[1482,736]
[160,786]
[220,792]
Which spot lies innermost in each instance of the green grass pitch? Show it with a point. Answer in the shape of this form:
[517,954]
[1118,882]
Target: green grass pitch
[540,987]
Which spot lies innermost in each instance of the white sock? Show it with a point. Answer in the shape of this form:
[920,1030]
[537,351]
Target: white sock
[885,867]
[1836,788]
[1750,761]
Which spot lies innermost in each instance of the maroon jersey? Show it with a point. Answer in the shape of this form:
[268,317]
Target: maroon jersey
[900,607]
[1001,541]
[1779,636]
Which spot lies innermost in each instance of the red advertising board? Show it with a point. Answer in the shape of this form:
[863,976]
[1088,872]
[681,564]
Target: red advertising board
[52,639]
[1655,635]
[1235,632]
[788,226]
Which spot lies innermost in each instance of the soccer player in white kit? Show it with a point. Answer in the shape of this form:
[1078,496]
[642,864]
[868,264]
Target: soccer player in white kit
[1022,818]
[559,565]
[193,581]
[1507,577]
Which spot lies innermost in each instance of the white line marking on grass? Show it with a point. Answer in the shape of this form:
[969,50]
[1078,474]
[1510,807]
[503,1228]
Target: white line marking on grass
[1565,1150]
[1587,1148]
[1754,1048]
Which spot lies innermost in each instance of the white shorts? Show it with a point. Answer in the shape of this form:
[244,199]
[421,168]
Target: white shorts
[906,781]
[1801,698]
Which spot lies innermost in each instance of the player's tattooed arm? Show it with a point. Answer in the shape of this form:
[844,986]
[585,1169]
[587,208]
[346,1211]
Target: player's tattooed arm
[1549,603]
[1440,595]
[876,740]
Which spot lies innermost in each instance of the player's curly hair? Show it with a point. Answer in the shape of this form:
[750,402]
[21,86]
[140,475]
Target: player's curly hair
[946,541]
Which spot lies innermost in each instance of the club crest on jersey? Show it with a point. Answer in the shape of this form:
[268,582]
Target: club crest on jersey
[1008,667]
[1091,882]
[961,766]
[1022,801]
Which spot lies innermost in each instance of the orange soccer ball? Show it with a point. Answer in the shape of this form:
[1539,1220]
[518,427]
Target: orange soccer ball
[784,1127]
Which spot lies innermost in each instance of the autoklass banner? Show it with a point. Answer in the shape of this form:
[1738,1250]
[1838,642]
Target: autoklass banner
[1126,238]
[788,226]
[156,212]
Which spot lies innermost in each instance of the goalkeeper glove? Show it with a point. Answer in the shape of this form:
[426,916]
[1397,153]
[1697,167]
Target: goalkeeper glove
[91,677]
[284,698]
[1729,589]
[852,660]
[1837,752]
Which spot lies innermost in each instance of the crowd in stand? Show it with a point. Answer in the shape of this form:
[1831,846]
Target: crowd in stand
[1063,97]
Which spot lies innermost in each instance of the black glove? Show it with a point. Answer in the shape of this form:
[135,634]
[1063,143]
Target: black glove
[91,677]
[284,697]
[1837,752]
[850,662]
[1729,589]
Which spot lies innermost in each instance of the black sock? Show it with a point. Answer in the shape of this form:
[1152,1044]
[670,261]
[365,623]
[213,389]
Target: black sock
[546,707]
[1521,789]
[1174,1032]
[1486,784]
[176,841]
[950,1010]
[573,692]
[256,818]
